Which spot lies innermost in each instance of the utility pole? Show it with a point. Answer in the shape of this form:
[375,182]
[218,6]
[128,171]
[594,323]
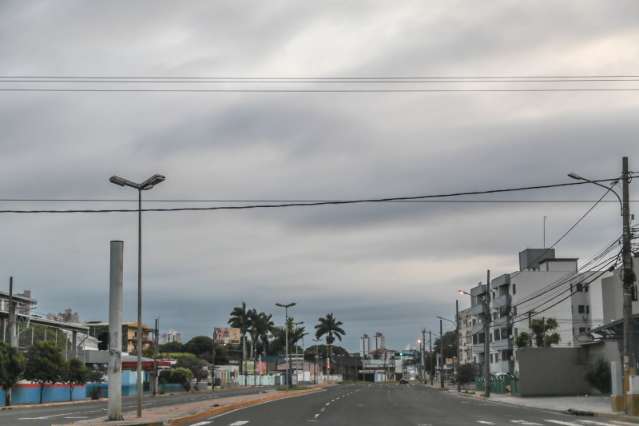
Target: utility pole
[628,278]
[458,348]
[213,364]
[432,364]
[13,332]
[441,351]
[487,320]
[156,352]
[423,349]
[115,331]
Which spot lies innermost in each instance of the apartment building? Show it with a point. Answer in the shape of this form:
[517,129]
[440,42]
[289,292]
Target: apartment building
[517,298]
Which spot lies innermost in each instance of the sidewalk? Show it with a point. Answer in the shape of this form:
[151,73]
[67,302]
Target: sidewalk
[189,412]
[594,404]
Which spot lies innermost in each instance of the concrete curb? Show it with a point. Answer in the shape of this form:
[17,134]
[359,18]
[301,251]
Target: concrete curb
[87,401]
[50,404]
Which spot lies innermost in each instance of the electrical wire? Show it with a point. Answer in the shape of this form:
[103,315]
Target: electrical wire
[567,279]
[311,204]
[230,200]
[291,91]
[570,229]
[535,313]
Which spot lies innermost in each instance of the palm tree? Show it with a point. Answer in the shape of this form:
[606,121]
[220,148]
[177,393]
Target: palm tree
[266,327]
[240,319]
[331,328]
[295,334]
[260,330]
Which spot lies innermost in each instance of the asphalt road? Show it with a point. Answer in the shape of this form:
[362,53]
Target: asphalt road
[395,405]
[68,413]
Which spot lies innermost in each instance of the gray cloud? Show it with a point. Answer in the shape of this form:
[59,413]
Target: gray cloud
[391,268]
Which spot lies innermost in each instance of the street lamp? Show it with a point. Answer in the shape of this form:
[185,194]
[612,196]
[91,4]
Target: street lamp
[628,277]
[288,360]
[144,186]
[575,176]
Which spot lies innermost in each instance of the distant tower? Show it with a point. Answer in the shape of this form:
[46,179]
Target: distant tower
[365,345]
[379,341]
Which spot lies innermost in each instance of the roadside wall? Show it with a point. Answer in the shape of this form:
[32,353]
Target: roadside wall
[552,371]
[29,393]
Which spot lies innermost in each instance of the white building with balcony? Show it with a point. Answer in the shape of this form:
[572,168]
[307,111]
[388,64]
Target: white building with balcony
[519,297]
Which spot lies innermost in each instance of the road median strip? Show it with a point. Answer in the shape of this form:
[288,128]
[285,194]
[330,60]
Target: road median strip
[225,408]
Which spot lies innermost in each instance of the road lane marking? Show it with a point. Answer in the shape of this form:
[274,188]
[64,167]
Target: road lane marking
[484,422]
[559,422]
[45,417]
[239,423]
[201,424]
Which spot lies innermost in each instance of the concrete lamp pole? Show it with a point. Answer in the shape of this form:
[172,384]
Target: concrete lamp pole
[288,359]
[628,276]
[144,186]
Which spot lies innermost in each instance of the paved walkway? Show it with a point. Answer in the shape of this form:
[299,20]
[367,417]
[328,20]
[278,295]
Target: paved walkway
[596,404]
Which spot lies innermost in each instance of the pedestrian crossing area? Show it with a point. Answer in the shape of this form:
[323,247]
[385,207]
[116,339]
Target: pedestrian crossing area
[561,422]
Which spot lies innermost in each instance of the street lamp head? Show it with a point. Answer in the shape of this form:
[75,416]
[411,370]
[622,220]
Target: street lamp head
[575,176]
[120,181]
[152,181]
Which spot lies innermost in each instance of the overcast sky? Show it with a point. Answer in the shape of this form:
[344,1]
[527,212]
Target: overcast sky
[391,268]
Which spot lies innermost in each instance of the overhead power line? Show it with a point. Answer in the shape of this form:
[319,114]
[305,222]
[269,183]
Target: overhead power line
[278,78]
[276,200]
[372,91]
[313,204]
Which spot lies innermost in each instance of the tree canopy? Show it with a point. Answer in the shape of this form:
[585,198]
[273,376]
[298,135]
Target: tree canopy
[11,368]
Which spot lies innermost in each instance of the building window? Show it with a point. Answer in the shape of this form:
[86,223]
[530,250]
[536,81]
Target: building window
[582,330]
[580,287]
[504,333]
[514,288]
[581,309]
[587,309]
[586,287]
[497,337]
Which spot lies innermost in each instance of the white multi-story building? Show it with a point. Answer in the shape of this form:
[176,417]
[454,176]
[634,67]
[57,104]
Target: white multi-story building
[465,337]
[519,297]
[170,336]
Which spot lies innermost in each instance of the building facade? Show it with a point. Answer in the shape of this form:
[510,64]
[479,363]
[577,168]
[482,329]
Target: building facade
[465,337]
[543,287]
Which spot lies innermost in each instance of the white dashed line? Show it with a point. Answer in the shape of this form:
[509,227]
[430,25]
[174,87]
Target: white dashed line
[201,423]
[239,423]
[484,422]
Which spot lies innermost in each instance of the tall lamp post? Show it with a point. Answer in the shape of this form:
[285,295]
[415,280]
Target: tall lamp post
[288,360]
[441,346]
[144,186]
[628,276]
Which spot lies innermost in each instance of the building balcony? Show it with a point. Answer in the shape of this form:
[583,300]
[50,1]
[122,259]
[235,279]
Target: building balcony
[501,301]
[477,309]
